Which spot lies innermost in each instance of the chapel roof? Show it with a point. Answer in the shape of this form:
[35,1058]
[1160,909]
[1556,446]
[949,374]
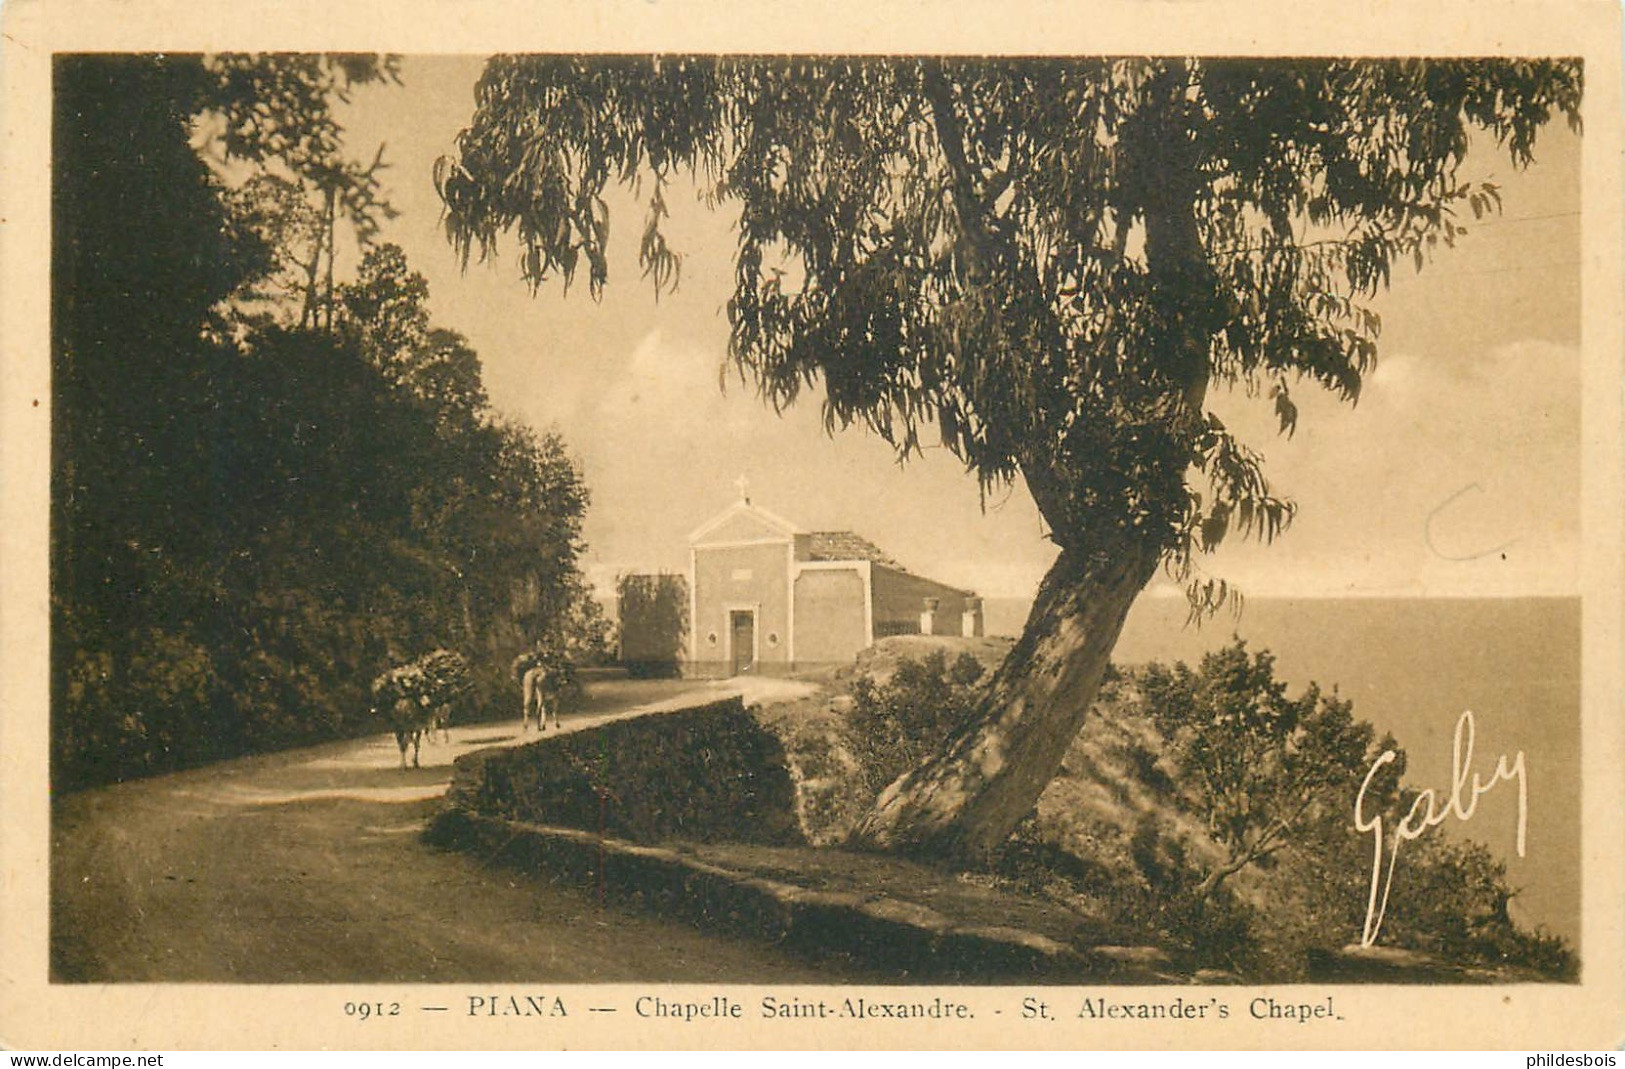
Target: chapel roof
[844,545]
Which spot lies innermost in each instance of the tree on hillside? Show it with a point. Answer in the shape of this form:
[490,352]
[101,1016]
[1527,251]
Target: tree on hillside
[251,519]
[151,414]
[1261,767]
[274,110]
[1045,264]
[501,505]
[386,311]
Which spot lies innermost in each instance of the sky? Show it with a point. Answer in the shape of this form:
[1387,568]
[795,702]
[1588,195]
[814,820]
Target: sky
[1457,474]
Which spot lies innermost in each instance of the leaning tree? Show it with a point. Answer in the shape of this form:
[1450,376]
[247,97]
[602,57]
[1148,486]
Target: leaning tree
[1047,264]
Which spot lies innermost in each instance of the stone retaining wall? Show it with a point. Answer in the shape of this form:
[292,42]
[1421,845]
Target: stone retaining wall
[902,941]
[707,773]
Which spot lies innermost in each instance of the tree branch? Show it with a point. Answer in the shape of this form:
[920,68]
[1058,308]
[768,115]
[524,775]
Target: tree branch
[951,137]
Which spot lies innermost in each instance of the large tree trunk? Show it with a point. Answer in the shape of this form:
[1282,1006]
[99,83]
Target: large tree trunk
[964,802]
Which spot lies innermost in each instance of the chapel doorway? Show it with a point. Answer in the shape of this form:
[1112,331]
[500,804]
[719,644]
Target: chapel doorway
[742,657]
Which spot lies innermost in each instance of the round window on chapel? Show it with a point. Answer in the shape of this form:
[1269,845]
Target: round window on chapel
[711,639]
[773,639]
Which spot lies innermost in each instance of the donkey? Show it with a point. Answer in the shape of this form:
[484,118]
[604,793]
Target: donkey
[440,720]
[411,722]
[538,699]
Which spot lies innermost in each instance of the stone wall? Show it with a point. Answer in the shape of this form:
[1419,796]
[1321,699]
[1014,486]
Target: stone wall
[709,773]
[900,597]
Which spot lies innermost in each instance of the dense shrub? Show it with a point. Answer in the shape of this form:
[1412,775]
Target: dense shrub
[1142,887]
[707,773]
[899,723]
[1177,766]
[1273,778]
[653,614]
[1450,899]
[142,711]
[252,518]
[1257,765]
[832,793]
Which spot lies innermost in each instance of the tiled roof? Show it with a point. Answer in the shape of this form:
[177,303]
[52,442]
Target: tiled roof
[844,545]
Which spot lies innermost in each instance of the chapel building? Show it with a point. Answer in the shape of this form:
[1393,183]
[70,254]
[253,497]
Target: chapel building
[766,597]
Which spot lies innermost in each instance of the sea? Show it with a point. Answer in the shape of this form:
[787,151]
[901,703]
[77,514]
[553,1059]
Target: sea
[1412,667]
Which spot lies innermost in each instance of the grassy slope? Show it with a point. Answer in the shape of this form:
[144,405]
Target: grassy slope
[1111,839]
[1112,784]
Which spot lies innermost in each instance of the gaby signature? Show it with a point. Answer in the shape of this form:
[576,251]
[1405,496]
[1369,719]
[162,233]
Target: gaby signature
[1466,786]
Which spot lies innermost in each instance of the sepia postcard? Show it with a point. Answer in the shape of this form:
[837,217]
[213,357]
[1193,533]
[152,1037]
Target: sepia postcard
[774,525]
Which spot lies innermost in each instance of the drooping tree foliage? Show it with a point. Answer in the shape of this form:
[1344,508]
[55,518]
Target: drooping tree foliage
[1046,264]
[250,521]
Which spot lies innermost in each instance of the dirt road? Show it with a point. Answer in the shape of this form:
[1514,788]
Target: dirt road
[307,867]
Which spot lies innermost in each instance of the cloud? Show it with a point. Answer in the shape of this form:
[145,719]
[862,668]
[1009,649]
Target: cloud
[1448,478]
[667,381]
